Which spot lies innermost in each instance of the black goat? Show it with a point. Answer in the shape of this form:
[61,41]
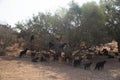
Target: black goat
[100,65]
[23,53]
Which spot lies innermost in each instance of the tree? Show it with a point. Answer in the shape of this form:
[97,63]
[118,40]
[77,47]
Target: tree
[74,26]
[92,25]
[112,11]
[7,37]
[70,23]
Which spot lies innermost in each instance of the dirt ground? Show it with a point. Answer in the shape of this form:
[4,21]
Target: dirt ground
[13,68]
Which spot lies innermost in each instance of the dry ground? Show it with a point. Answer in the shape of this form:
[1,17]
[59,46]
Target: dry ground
[13,68]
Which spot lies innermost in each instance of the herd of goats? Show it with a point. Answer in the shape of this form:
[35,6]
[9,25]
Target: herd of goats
[75,59]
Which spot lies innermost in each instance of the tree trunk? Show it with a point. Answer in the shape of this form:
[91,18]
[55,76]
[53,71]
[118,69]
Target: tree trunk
[118,46]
